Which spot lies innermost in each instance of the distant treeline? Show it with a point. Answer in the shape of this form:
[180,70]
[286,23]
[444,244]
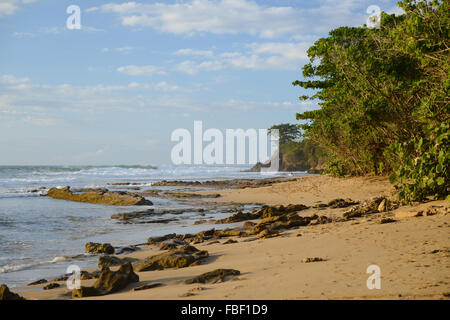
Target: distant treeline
[384,97]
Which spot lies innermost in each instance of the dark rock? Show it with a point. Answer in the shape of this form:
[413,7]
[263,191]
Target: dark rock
[267,234]
[84,275]
[177,258]
[190,195]
[5,294]
[341,203]
[155,240]
[98,190]
[118,198]
[133,215]
[367,207]
[86,292]
[229,241]
[110,261]
[113,281]
[218,275]
[126,249]
[234,183]
[96,248]
[172,244]
[239,216]
[52,285]
[281,210]
[286,221]
[40,281]
[187,294]
[230,233]
[249,224]
[62,278]
[320,220]
[387,220]
[315,259]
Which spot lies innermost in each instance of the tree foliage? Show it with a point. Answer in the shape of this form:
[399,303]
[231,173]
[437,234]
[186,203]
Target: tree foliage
[287,132]
[384,99]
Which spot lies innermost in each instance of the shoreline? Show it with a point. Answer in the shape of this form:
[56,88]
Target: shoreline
[273,269]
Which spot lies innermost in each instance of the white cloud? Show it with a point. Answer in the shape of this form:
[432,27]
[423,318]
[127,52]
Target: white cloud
[10,7]
[92,9]
[191,67]
[52,31]
[258,56]
[8,79]
[7,8]
[238,16]
[192,52]
[20,98]
[133,70]
[46,105]
[125,49]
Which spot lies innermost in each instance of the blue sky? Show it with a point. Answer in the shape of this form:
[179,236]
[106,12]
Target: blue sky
[112,92]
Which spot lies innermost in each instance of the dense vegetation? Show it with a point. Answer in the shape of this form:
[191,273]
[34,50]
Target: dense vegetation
[384,99]
[297,153]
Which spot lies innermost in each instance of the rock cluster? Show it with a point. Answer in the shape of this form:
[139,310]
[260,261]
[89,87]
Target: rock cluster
[177,258]
[374,205]
[109,282]
[263,212]
[234,183]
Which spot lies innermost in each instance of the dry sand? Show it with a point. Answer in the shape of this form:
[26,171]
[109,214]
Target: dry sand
[412,253]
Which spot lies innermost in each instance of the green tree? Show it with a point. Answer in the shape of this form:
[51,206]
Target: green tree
[288,132]
[384,99]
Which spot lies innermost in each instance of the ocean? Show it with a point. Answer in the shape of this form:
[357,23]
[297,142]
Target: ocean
[40,236]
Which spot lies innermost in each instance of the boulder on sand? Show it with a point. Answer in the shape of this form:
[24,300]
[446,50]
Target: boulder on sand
[110,261]
[218,275]
[178,258]
[112,281]
[5,294]
[117,198]
[109,282]
[92,247]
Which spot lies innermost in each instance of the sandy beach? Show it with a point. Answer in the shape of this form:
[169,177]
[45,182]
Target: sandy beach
[412,251]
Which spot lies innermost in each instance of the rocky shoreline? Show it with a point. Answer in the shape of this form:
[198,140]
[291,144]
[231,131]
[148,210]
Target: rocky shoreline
[120,269]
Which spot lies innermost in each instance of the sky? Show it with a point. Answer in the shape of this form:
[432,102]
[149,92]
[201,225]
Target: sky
[113,91]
